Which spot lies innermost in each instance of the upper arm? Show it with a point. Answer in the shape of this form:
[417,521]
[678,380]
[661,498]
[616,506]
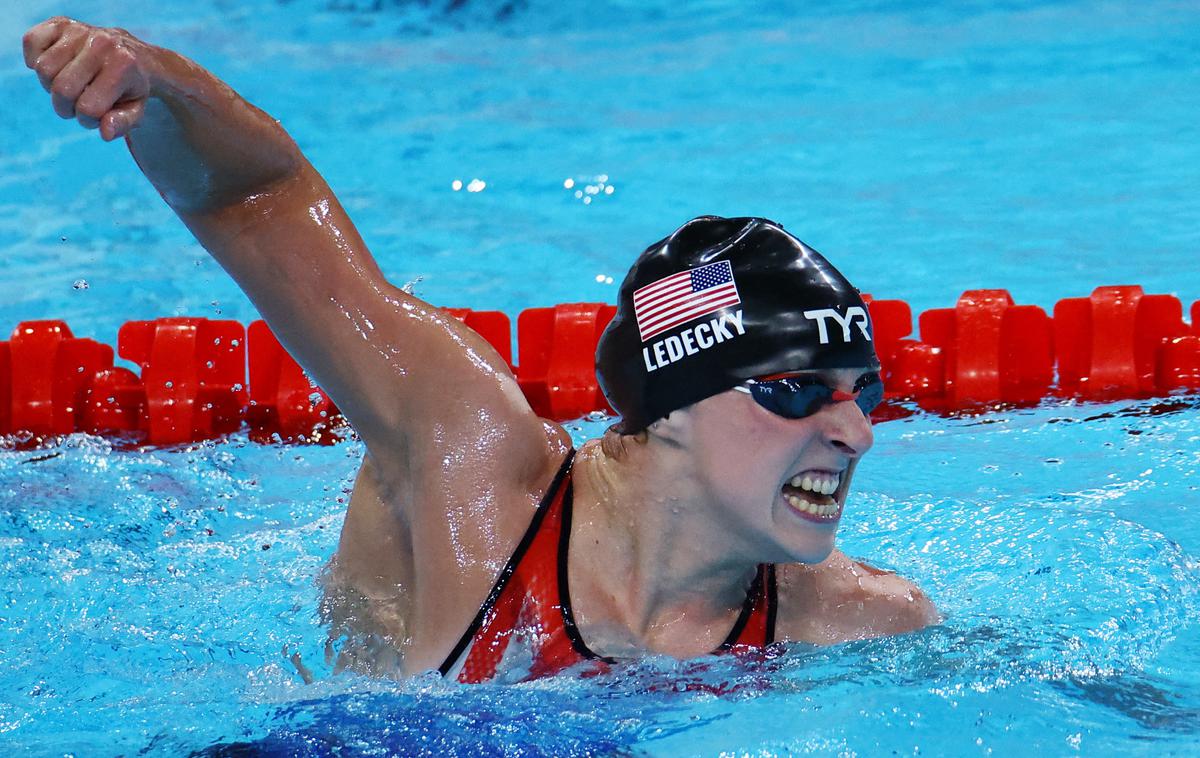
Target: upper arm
[841,599]
[396,366]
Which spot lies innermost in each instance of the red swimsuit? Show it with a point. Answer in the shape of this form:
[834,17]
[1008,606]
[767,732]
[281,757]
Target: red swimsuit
[526,621]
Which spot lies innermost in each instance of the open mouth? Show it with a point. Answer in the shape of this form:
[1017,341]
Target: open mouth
[812,495]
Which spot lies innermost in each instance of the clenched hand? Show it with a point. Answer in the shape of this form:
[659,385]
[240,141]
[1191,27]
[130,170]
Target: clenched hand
[100,77]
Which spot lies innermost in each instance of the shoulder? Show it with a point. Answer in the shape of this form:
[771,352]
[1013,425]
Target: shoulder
[842,599]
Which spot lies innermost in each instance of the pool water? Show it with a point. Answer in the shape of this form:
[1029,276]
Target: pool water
[150,601]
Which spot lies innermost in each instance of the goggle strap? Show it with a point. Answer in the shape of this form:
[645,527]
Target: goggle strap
[773,377]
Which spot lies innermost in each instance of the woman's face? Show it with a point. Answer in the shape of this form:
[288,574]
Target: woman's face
[780,483]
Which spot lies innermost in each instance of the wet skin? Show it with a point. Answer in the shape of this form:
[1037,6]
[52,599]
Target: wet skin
[666,538]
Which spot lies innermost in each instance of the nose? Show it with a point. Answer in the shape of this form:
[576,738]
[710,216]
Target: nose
[848,429]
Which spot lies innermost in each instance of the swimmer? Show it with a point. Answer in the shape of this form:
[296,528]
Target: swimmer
[477,542]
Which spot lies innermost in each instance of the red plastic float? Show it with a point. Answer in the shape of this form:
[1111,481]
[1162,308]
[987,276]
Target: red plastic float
[194,375]
[49,371]
[994,350]
[1108,343]
[114,402]
[891,322]
[917,371]
[5,388]
[556,350]
[1178,366]
[283,400]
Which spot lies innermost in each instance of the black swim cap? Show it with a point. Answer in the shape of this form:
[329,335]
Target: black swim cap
[720,301]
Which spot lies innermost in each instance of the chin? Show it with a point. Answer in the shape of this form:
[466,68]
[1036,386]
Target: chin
[811,553]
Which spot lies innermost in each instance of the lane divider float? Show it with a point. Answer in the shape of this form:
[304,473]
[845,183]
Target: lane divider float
[203,378]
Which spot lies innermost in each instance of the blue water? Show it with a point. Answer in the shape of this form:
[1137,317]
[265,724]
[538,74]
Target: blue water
[150,600]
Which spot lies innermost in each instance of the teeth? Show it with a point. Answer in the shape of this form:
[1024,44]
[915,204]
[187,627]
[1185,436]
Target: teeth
[822,484]
[822,511]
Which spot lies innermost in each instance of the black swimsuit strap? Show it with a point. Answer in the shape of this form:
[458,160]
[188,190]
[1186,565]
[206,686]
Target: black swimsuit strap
[772,603]
[763,586]
[564,592]
[510,568]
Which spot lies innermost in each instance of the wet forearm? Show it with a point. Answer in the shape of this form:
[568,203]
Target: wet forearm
[201,144]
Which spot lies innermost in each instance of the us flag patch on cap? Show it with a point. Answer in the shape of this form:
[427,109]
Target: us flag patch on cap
[679,298]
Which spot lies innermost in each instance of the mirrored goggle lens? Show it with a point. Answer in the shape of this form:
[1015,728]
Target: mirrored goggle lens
[796,397]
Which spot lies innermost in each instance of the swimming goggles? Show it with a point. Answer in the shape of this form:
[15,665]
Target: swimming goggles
[801,395]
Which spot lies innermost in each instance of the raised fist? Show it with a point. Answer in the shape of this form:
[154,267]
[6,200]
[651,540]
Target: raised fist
[99,77]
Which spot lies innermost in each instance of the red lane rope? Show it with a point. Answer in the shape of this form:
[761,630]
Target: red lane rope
[203,378]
